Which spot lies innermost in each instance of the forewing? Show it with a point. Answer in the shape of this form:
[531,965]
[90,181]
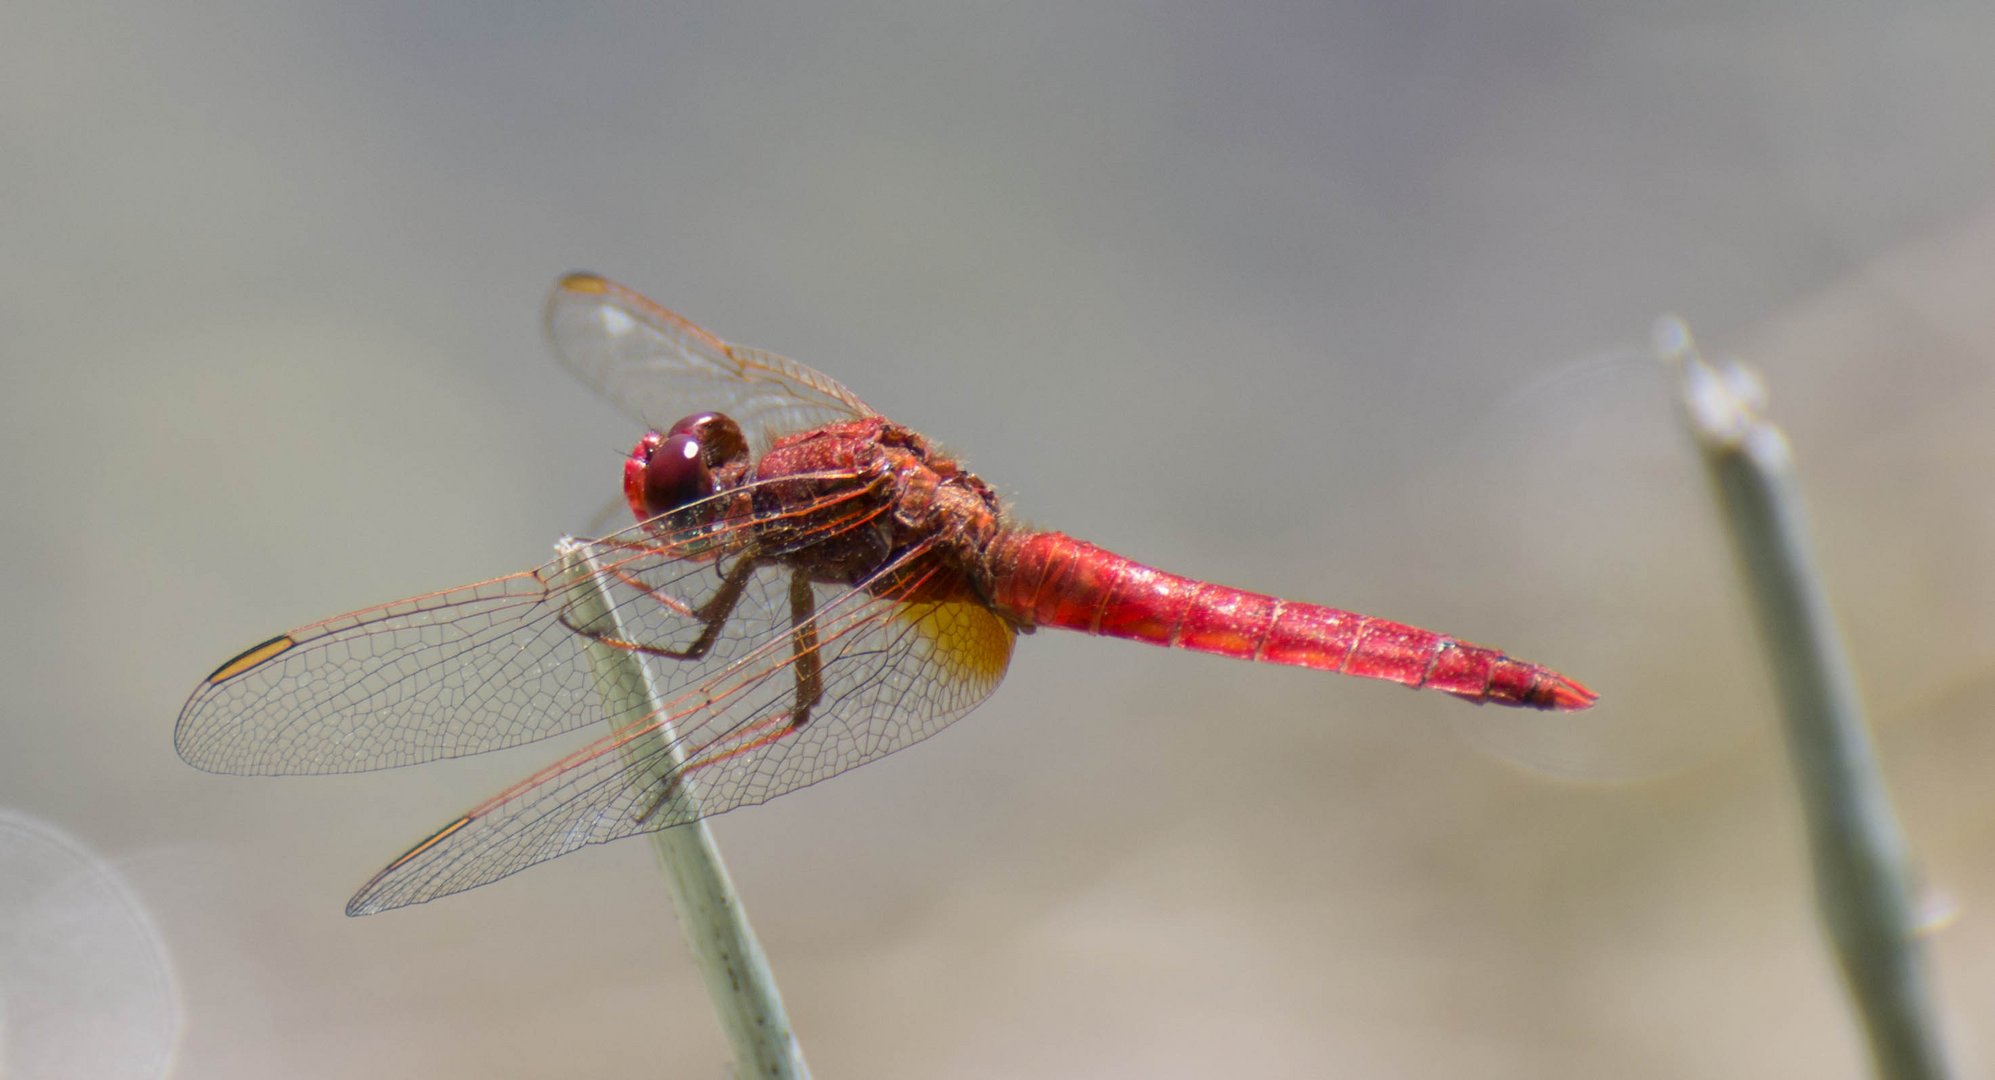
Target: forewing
[479,667]
[660,368]
[893,673]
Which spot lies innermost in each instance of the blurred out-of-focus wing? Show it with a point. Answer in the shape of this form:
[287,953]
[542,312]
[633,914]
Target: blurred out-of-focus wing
[660,368]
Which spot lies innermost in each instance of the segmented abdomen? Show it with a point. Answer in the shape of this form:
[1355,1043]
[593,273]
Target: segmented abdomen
[1050,579]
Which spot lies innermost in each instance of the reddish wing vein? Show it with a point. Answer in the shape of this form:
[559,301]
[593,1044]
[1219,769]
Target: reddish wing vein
[893,674]
[659,367]
[474,668]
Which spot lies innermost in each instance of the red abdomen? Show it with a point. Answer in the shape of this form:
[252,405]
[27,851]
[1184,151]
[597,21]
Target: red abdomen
[1050,579]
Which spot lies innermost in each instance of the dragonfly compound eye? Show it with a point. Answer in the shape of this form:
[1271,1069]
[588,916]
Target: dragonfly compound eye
[684,465]
[719,437]
[664,473]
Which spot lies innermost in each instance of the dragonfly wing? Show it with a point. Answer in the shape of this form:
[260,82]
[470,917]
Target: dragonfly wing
[893,673]
[470,669]
[660,368]
[434,676]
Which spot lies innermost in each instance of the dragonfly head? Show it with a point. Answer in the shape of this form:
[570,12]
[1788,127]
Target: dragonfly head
[684,465]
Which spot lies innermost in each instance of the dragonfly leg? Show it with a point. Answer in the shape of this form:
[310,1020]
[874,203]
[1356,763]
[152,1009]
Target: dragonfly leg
[804,646]
[712,614]
[664,599]
[639,553]
[809,668]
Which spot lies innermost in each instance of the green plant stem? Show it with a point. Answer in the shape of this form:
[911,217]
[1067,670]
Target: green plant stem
[1862,884]
[730,959]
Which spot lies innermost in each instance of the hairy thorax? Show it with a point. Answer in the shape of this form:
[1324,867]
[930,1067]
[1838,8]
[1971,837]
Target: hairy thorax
[875,490]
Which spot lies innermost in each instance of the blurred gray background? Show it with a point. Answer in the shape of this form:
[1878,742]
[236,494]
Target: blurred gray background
[1343,302]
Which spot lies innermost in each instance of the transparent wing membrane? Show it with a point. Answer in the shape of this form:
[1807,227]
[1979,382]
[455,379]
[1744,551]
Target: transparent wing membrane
[798,682]
[475,668]
[660,368]
[892,674]
[761,679]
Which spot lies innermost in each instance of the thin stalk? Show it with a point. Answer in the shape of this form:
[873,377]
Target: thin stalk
[730,959]
[1862,883]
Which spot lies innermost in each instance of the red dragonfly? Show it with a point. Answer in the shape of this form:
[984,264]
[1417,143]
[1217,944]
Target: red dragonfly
[813,586]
